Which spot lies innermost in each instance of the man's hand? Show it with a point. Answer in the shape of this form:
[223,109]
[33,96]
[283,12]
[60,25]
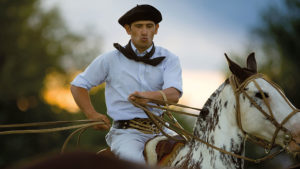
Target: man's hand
[140,97]
[101,117]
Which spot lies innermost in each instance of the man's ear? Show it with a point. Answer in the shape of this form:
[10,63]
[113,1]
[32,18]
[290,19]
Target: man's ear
[128,29]
[156,28]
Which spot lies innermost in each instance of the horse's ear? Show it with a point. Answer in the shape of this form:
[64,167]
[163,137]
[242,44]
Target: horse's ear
[234,68]
[251,63]
[238,71]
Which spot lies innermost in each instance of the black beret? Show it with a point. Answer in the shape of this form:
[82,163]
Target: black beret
[141,12]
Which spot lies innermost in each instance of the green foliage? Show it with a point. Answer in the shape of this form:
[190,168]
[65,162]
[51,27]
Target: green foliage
[280,35]
[280,40]
[26,36]
[34,43]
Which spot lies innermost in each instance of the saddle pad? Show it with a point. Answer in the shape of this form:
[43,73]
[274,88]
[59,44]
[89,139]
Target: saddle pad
[160,150]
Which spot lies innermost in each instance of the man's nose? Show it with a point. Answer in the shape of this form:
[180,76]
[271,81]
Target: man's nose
[144,30]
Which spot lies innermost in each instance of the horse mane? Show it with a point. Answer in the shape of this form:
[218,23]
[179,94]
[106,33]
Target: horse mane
[207,120]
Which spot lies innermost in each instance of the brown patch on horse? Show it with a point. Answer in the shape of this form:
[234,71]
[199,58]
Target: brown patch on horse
[295,166]
[84,160]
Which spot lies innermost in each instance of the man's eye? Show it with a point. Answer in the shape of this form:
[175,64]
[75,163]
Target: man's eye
[258,94]
[149,26]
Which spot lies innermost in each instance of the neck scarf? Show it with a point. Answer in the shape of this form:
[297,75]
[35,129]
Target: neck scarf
[130,54]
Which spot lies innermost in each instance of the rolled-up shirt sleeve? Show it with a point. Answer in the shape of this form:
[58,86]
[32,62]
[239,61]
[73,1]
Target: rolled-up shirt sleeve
[173,74]
[95,74]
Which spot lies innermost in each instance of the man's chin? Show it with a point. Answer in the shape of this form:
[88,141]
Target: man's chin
[145,46]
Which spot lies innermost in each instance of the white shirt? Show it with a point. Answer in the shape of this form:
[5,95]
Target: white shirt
[124,76]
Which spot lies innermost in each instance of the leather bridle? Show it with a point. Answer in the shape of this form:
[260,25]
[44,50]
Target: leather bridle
[240,89]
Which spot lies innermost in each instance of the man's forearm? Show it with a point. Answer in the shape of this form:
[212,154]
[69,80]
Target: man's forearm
[82,99]
[172,95]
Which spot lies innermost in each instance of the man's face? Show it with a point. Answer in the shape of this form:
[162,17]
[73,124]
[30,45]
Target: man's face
[142,33]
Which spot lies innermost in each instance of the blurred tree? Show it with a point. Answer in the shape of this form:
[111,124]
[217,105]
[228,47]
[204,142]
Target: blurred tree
[34,43]
[279,36]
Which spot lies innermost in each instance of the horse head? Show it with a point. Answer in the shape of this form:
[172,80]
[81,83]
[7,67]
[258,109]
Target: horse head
[263,111]
[246,106]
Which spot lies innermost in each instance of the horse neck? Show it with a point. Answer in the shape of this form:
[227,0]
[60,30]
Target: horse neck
[217,120]
[216,125]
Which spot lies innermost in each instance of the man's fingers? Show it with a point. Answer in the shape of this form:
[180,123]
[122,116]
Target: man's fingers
[106,120]
[102,127]
[131,97]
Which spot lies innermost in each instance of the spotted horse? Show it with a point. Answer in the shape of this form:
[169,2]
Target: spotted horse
[247,105]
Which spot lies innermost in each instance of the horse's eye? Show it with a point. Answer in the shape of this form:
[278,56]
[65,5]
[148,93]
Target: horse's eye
[258,94]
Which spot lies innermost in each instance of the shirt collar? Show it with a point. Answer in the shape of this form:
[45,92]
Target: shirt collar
[137,52]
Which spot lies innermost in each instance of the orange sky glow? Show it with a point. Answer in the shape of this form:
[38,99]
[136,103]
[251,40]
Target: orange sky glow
[197,87]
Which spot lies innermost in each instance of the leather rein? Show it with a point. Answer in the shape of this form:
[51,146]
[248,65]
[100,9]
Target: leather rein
[238,89]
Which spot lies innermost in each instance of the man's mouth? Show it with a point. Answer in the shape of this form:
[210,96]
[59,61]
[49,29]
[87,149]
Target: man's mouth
[144,39]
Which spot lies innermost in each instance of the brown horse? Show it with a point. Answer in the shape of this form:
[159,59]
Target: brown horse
[83,160]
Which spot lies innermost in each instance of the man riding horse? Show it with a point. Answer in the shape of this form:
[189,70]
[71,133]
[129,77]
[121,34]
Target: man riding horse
[134,72]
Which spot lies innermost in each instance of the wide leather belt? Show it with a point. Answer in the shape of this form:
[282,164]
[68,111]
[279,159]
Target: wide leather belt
[144,125]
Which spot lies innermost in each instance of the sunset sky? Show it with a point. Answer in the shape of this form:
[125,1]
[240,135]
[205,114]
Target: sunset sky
[198,31]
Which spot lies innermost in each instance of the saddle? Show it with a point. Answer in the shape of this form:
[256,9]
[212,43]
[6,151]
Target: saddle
[159,150]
